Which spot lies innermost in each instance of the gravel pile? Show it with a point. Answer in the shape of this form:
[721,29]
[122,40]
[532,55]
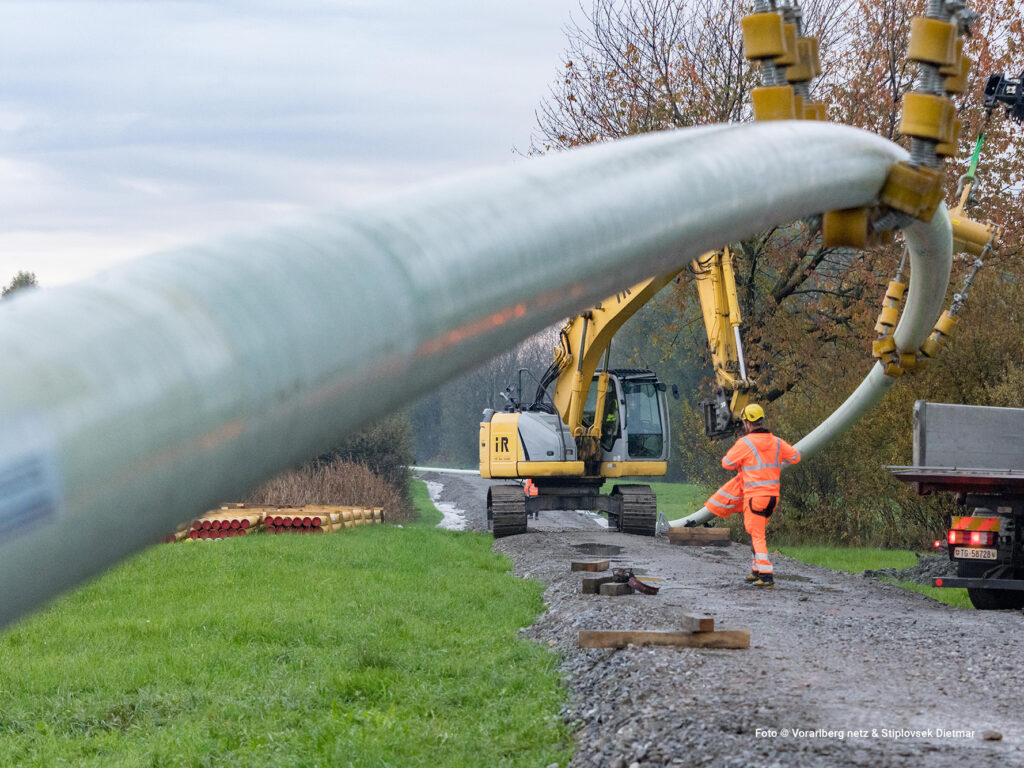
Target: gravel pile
[834,657]
[928,567]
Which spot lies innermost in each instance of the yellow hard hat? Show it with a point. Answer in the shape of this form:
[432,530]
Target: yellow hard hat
[752,412]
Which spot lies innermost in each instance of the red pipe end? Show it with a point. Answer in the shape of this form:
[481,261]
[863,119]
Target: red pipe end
[244,524]
[207,525]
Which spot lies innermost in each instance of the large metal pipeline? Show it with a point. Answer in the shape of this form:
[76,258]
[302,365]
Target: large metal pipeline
[931,259]
[135,399]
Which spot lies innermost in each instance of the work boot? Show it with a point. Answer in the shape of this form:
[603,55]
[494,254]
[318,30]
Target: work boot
[751,577]
[765,581]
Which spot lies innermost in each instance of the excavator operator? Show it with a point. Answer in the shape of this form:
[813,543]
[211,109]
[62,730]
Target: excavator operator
[758,458]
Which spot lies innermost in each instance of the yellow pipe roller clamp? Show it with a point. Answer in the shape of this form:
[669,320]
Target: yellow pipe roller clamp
[915,187]
[769,40]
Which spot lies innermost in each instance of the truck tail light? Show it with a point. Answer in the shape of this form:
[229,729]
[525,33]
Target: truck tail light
[972,538]
[982,538]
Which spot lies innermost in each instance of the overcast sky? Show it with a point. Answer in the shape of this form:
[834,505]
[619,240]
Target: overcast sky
[130,126]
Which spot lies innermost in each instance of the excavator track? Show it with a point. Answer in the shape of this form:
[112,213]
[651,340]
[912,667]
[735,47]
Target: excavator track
[639,514]
[506,510]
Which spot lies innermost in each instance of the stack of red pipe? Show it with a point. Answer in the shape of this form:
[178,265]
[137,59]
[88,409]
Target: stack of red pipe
[295,524]
[220,527]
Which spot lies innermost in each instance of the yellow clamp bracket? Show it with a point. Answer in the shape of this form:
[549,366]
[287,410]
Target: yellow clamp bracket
[847,228]
[814,111]
[887,319]
[774,102]
[948,148]
[953,68]
[895,290]
[883,346]
[943,330]
[764,36]
[893,370]
[806,67]
[914,191]
[926,116]
[789,58]
[957,83]
[932,41]
[970,236]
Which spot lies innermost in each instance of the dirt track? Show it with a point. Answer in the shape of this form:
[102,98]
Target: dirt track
[839,668]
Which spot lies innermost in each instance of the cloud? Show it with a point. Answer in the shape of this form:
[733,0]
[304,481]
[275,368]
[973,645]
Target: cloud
[136,124]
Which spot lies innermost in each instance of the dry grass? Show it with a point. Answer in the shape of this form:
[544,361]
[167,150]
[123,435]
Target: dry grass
[337,482]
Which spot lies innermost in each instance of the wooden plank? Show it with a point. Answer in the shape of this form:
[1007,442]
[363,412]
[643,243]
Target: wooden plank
[591,565]
[614,589]
[691,623]
[592,584]
[599,638]
[699,537]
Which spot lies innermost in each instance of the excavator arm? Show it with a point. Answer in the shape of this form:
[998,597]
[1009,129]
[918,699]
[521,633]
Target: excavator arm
[585,342]
[716,288]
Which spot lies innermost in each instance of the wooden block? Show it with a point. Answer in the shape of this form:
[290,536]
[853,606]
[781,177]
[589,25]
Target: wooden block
[590,565]
[692,623]
[592,584]
[614,589]
[737,638]
[699,537]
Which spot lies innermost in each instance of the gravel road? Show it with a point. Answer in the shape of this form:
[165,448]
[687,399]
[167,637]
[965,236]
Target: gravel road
[842,670]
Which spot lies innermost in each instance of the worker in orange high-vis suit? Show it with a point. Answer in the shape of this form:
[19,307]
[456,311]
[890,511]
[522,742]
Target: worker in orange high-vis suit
[758,458]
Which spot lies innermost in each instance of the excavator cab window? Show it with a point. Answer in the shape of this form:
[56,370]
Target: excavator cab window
[610,427]
[643,409]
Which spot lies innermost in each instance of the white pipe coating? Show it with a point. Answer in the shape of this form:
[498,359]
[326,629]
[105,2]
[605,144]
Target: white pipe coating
[136,399]
[931,260]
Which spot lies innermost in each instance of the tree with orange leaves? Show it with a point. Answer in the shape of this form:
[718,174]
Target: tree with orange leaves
[645,65]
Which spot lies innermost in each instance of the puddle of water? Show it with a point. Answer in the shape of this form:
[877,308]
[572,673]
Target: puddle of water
[453,518]
[598,550]
[791,577]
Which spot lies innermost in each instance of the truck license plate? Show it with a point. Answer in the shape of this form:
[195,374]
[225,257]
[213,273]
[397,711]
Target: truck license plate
[974,553]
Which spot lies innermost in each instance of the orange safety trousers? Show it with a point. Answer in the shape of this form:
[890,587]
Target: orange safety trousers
[729,500]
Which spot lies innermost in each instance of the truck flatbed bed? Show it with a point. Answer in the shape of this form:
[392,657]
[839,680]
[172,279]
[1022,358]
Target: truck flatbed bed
[988,481]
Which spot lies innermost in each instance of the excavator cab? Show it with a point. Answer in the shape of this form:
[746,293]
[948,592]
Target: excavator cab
[634,425]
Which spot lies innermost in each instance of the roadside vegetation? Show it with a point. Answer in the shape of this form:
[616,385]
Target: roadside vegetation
[377,646]
[858,560]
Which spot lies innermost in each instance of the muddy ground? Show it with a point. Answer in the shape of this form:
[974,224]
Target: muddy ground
[843,670]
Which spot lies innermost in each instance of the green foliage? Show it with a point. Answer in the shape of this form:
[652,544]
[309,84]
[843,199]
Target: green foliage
[446,422]
[385,447]
[674,499]
[19,282]
[377,646]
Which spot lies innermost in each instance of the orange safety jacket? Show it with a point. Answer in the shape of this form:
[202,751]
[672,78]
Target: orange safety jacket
[758,458]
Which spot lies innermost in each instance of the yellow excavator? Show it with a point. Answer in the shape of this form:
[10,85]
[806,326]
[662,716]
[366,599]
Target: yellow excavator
[601,423]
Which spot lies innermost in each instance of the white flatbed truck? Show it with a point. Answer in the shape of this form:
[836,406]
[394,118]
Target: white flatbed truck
[976,452]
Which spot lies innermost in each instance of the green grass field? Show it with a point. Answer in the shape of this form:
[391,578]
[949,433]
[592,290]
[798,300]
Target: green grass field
[678,499]
[429,514]
[378,646]
[855,560]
